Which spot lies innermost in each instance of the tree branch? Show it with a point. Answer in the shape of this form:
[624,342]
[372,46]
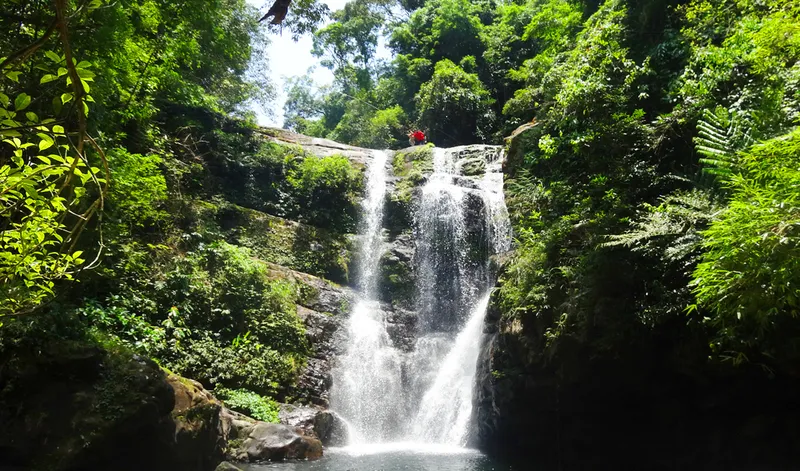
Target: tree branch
[27,51]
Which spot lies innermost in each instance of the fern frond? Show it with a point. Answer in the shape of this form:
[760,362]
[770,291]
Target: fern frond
[671,229]
[721,134]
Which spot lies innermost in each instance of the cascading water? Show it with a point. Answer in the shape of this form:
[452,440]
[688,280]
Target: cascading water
[367,388]
[444,413]
[425,395]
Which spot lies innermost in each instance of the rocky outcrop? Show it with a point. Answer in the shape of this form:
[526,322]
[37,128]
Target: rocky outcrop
[199,441]
[65,406]
[573,406]
[114,410]
[262,441]
[284,242]
[322,306]
[318,146]
[323,424]
[396,280]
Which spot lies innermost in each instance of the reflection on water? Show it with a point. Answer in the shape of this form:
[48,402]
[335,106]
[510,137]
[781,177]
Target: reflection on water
[391,457]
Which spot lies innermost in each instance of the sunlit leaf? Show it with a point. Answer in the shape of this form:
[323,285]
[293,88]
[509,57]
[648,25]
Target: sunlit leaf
[23,101]
[52,56]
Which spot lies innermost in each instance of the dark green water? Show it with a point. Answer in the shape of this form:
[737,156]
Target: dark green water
[392,457]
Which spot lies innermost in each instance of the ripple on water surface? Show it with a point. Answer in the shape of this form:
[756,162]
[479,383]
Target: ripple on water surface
[392,457]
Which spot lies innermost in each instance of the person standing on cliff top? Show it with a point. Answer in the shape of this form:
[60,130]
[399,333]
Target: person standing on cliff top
[416,138]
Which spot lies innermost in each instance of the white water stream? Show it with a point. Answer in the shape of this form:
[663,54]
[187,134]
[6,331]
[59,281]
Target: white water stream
[391,397]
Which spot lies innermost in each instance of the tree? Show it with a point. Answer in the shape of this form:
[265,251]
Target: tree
[454,106]
[302,104]
[50,188]
[347,46]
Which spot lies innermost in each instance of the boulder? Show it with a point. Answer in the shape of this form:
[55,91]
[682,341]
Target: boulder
[323,424]
[274,442]
[299,416]
[198,429]
[331,429]
[67,406]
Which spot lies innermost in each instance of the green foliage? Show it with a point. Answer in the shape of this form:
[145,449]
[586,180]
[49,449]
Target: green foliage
[249,403]
[671,230]
[323,187]
[749,271]
[49,186]
[720,136]
[302,104]
[605,184]
[348,44]
[387,129]
[191,53]
[533,34]
[454,106]
[139,191]
[215,315]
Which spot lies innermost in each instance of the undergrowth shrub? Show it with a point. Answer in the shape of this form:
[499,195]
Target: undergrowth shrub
[249,403]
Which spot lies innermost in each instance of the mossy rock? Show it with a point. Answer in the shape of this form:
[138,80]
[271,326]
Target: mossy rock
[414,160]
[76,405]
[396,281]
[411,168]
[288,243]
[473,166]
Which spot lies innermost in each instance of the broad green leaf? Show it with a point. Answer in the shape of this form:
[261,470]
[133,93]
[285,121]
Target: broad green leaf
[48,78]
[66,98]
[58,129]
[23,101]
[52,56]
[44,144]
[4,100]
[32,116]
[86,74]
[14,75]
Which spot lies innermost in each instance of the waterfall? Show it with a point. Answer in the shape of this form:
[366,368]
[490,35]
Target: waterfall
[366,383]
[425,394]
[444,413]
[447,405]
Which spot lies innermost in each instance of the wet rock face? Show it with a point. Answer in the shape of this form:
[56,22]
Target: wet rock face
[275,442]
[401,325]
[103,410]
[322,306]
[484,403]
[323,424]
[324,338]
[397,282]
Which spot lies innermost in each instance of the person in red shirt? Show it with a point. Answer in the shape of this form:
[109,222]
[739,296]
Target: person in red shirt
[416,138]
